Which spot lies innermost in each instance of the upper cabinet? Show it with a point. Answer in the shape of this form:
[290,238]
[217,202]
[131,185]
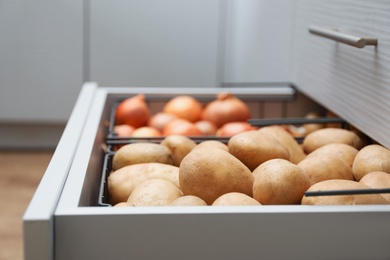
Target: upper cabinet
[353,82]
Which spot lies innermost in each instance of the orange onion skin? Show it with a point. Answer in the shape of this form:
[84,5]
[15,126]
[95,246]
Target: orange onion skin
[233,128]
[185,107]
[181,127]
[207,128]
[123,130]
[146,131]
[133,111]
[160,120]
[226,108]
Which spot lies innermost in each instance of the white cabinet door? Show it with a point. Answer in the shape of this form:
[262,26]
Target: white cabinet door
[353,82]
[41,59]
[150,43]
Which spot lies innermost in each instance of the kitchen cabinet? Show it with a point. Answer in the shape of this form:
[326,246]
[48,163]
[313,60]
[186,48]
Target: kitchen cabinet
[353,82]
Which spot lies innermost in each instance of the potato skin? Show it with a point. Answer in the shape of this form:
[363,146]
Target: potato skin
[154,192]
[325,136]
[295,150]
[235,199]
[342,199]
[279,182]
[141,153]
[188,200]
[179,145]
[371,158]
[377,180]
[254,147]
[321,167]
[211,172]
[122,182]
[343,151]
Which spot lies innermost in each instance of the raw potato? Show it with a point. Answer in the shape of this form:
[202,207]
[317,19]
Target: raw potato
[371,158]
[235,199]
[141,153]
[321,167]
[188,200]
[179,145]
[279,182]
[211,172]
[121,204]
[122,182]
[213,143]
[155,192]
[342,199]
[255,147]
[295,150]
[344,151]
[377,180]
[325,136]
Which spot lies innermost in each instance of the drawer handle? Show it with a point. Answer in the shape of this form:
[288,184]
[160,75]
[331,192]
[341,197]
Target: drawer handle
[333,34]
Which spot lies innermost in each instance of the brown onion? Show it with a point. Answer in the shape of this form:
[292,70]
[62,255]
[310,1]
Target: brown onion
[226,108]
[160,120]
[146,131]
[185,107]
[123,130]
[206,127]
[181,127]
[233,128]
[132,111]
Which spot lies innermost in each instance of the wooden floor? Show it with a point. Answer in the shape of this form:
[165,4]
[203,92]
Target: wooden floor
[20,174]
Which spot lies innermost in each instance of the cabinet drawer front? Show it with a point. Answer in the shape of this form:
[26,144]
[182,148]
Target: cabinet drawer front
[353,82]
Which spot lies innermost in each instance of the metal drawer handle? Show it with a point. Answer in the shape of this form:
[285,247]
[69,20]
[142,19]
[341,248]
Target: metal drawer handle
[355,41]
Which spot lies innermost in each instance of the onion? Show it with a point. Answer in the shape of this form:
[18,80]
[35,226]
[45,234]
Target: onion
[206,127]
[123,130]
[160,120]
[226,108]
[185,107]
[181,127]
[233,128]
[146,131]
[132,111]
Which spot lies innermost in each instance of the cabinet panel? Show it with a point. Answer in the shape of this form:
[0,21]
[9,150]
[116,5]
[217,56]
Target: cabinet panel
[41,59]
[354,82]
[150,43]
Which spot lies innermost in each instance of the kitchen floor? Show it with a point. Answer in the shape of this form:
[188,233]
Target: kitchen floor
[20,174]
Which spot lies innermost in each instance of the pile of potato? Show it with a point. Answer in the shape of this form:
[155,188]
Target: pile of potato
[258,167]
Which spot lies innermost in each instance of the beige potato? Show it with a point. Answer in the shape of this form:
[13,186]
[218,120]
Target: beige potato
[211,172]
[330,185]
[188,200]
[255,147]
[325,136]
[121,204]
[377,180]
[309,128]
[279,182]
[179,145]
[235,199]
[155,192]
[294,148]
[123,181]
[371,158]
[141,153]
[344,151]
[321,167]
[213,143]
